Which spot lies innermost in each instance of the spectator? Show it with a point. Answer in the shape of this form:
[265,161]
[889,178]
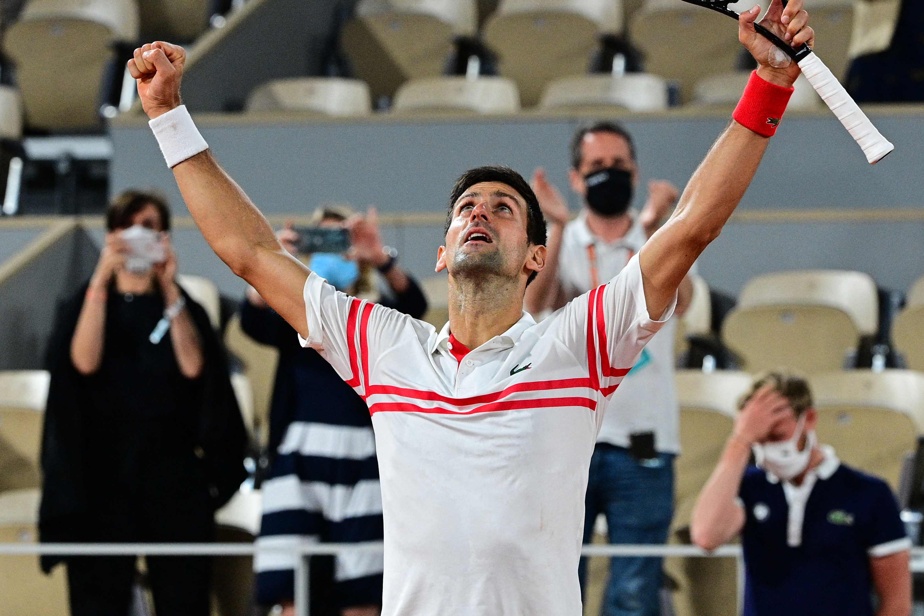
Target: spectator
[632,469]
[321,436]
[819,537]
[143,439]
[887,52]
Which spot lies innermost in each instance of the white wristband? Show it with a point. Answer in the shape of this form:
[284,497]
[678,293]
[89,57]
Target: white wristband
[177,136]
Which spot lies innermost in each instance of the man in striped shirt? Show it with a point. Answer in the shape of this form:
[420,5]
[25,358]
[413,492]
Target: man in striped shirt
[484,430]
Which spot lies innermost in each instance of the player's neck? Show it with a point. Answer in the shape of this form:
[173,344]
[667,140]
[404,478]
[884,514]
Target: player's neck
[480,310]
[608,228]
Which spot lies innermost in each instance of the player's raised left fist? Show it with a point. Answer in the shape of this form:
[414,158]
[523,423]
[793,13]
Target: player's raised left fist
[158,69]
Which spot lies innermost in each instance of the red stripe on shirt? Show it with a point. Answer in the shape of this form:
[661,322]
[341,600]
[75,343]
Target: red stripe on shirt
[605,366]
[351,343]
[431,396]
[591,343]
[364,340]
[494,407]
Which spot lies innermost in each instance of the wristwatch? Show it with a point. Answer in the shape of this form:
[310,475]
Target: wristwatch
[392,258]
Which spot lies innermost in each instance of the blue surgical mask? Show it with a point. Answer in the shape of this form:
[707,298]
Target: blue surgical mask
[336,269]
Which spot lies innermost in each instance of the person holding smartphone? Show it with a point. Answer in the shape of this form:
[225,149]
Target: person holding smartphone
[320,429]
[143,439]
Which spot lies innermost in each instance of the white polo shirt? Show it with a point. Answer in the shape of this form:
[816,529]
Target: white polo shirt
[647,399]
[484,464]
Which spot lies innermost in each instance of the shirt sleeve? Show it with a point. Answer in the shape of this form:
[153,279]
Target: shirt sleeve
[886,533]
[611,324]
[349,332]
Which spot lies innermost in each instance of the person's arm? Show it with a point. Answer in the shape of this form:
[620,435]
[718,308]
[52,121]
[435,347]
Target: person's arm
[892,580]
[231,224]
[718,515]
[718,184]
[90,334]
[187,348]
[544,292]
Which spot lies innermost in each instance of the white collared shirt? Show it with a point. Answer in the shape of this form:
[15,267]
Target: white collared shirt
[484,464]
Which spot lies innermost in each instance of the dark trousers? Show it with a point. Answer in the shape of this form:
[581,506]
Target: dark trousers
[102,585]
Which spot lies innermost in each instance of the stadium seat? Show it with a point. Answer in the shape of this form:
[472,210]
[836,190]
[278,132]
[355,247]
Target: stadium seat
[11,120]
[684,42]
[810,321]
[177,21]
[258,363]
[322,96]
[435,95]
[606,93]
[390,41]
[724,89]
[232,576]
[10,113]
[62,50]
[204,292]
[708,403]
[23,394]
[24,589]
[872,419]
[540,40]
[908,328]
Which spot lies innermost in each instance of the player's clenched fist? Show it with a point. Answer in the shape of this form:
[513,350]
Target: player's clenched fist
[158,69]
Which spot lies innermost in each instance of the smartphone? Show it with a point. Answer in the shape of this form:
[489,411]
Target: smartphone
[323,239]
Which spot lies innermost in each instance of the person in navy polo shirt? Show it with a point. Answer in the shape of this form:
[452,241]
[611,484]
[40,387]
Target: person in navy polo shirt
[818,536]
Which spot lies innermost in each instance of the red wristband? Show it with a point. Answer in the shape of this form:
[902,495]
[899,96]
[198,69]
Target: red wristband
[762,105]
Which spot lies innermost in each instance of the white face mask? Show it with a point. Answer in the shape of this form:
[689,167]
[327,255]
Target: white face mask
[784,459]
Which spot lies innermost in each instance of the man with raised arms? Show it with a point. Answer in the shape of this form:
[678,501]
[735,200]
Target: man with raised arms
[484,430]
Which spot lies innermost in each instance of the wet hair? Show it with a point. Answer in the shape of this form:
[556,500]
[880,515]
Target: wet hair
[535,222]
[129,202]
[793,387]
[603,126]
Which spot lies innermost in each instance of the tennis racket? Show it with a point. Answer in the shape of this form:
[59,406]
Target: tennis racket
[870,140]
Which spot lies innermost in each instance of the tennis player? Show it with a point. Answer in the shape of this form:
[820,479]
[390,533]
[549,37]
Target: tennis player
[484,430]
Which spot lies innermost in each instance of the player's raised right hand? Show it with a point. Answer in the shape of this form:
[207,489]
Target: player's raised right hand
[158,69]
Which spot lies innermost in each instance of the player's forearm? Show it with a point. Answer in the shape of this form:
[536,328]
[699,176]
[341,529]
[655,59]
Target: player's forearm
[717,517]
[719,183]
[231,224]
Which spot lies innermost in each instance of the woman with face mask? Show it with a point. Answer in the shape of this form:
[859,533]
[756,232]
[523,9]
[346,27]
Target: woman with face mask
[143,438]
[819,537]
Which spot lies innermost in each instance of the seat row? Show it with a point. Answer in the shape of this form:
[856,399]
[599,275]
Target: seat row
[823,320]
[536,41]
[633,92]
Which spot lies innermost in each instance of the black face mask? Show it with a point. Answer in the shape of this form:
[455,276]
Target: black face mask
[609,191]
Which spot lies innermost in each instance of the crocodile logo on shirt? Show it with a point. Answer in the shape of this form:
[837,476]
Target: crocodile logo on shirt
[517,368]
[840,517]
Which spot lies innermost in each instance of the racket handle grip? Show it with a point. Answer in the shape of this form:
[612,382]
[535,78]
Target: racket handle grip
[870,140]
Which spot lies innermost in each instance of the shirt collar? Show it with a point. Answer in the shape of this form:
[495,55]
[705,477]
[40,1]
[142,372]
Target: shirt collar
[828,465]
[505,340]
